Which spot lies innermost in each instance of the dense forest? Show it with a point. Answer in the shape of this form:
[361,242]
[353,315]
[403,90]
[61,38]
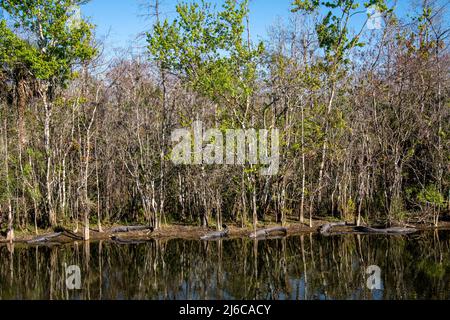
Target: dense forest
[363,114]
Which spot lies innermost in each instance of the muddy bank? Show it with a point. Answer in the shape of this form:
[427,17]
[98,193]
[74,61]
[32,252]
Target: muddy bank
[166,232]
[126,234]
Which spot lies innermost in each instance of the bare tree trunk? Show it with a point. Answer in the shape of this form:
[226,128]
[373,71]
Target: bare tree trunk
[163,140]
[48,153]
[181,196]
[97,181]
[87,158]
[302,203]
[325,142]
[21,106]
[218,211]
[255,208]
[86,209]
[10,231]
[244,201]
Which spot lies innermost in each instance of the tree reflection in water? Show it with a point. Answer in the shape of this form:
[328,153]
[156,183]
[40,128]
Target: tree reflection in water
[298,268]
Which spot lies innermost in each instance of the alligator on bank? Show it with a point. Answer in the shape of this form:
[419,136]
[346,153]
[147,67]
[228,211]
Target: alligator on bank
[139,233]
[59,232]
[131,229]
[271,232]
[326,229]
[396,230]
[216,235]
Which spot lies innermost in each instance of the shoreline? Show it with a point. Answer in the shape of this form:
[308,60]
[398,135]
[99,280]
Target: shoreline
[188,232]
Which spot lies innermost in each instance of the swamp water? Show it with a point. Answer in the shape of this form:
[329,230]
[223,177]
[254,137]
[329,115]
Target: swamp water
[299,267]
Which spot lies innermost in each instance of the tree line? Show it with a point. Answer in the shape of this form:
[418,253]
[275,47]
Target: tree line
[363,116]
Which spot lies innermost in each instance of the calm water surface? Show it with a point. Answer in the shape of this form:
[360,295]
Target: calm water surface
[301,267]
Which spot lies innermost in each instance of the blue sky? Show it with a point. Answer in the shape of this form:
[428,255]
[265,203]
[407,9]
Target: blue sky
[122,20]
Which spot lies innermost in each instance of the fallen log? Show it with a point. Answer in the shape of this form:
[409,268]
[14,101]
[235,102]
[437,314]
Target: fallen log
[265,233]
[131,229]
[45,238]
[215,235]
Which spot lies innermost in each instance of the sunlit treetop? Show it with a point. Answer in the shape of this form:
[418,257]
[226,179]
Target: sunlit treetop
[333,31]
[53,42]
[208,48]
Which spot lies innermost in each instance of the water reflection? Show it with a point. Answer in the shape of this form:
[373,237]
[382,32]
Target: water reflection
[298,268]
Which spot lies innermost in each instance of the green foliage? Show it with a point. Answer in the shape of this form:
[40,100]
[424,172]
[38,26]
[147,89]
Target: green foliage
[333,32]
[55,45]
[351,207]
[306,5]
[207,49]
[432,270]
[18,53]
[397,209]
[431,196]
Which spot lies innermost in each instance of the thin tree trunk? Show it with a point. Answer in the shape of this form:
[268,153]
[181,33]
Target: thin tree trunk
[97,180]
[302,203]
[325,143]
[10,231]
[21,106]
[48,153]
